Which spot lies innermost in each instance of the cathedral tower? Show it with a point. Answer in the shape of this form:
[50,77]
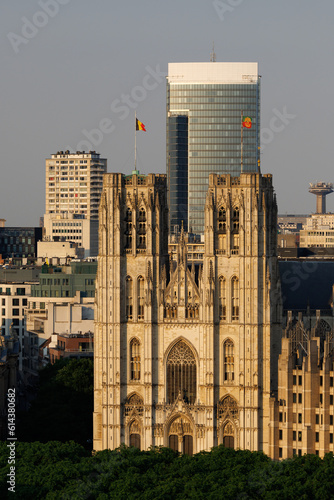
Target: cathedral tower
[186,352]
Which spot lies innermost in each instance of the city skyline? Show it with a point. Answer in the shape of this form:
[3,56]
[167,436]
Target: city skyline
[68,84]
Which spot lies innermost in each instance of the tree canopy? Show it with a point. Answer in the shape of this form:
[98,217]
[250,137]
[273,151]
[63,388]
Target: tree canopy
[66,470]
[63,408]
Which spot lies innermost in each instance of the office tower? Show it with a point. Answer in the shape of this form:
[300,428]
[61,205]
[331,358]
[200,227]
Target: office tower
[185,356]
[206,104]
[73,190]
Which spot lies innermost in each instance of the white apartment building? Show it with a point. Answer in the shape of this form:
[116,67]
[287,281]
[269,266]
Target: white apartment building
[48,316]
[14,300]
[318,231]
[72,196]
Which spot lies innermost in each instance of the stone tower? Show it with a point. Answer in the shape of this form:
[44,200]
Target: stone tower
[186,354]
[133,250]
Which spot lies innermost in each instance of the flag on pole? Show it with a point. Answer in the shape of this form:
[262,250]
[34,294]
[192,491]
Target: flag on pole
[140,125]
[246,122]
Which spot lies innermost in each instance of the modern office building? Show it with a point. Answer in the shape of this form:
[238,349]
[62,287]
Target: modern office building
[19,242]
[206,107]
[73,190]
[66,281]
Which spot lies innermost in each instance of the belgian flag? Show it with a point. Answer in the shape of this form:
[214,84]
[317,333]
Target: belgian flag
[140,125]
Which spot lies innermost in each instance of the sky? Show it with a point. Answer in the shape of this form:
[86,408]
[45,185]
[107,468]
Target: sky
[67,67]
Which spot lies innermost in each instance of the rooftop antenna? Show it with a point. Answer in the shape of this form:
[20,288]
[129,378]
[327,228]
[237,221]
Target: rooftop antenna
[213,53]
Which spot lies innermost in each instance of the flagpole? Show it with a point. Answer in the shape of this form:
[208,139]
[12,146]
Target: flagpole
[135,140]
[242,145]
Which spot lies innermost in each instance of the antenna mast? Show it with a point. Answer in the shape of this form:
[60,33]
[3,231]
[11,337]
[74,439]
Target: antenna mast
[213,53]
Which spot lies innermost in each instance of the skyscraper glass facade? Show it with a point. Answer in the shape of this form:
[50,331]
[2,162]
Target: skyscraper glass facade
[178,168]
[211,100]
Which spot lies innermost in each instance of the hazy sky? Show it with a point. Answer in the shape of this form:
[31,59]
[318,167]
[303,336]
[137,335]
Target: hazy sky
[67,65]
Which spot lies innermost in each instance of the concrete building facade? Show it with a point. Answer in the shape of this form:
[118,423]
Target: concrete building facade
[14,299]
[73,190]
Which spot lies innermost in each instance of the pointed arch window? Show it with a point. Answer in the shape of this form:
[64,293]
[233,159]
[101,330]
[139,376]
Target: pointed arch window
[222,221]
[228,361]
[181,373]
[235,298]
[235,220]
[128,229]
[222,298]
[129,298]
[142,228]
[135,359]
[140,298]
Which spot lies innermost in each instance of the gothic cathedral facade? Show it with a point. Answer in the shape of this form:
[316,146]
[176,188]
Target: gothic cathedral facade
[186,353]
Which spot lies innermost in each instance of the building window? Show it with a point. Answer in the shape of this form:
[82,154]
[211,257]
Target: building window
[331,399]
[300,380]
[294,397]
[294,379]
[235,220]
[330,419]
[300,418]
[222,298]
[129,298]
[16,312]
[300,435]
[317,419]
[128,229]
[280,432]
[135,359]
[293,435]
[331,437]
[235,298]
[181,373]
[280,417]
[228,361]
[280,452]
[140,298]
[320,398]
[300,398]
[141,223]
[331,381]
[222,221]
[320,379]
[317,437]
[16,302]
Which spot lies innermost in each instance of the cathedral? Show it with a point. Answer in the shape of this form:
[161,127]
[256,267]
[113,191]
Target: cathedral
[186,353]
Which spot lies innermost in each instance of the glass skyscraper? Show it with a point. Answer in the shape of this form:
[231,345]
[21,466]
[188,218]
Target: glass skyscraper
[206,104]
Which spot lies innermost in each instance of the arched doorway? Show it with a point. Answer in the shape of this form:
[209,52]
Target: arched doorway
[180,437]
[227,421]
[134,433]
[228,435]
